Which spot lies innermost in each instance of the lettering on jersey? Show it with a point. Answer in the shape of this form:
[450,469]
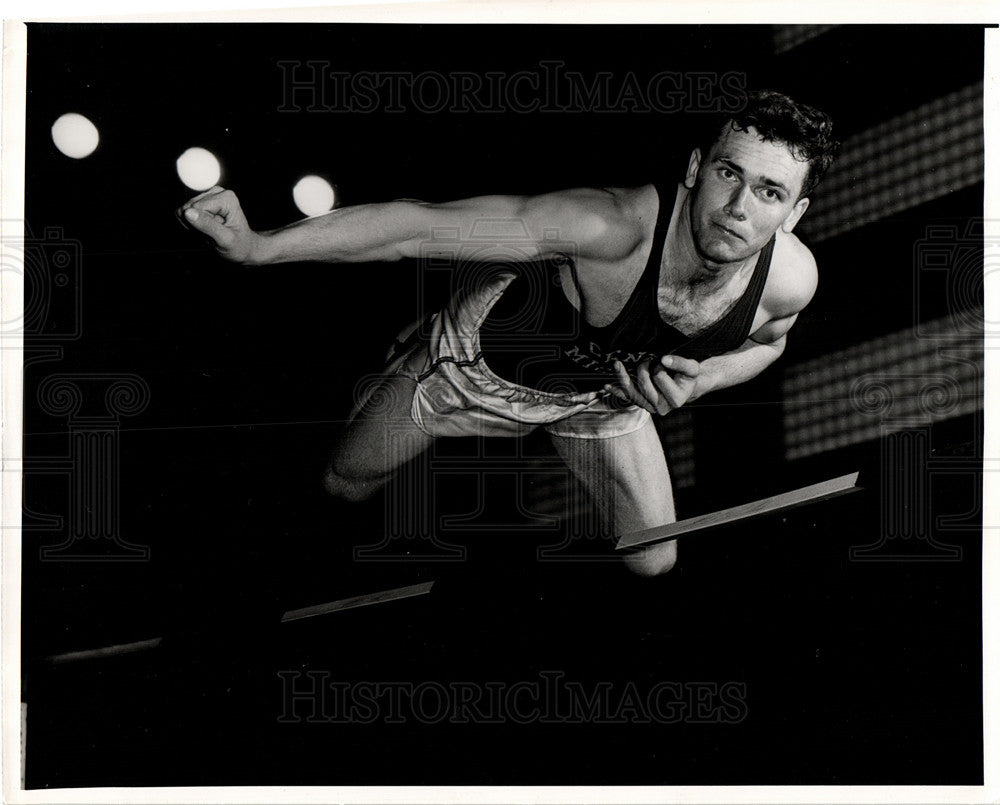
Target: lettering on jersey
[596,358]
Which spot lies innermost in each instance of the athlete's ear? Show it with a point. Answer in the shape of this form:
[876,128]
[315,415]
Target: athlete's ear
[793,217]
[692,173]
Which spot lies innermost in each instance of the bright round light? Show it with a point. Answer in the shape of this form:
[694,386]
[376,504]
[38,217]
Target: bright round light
[313,195]
[75,136]
[198,168]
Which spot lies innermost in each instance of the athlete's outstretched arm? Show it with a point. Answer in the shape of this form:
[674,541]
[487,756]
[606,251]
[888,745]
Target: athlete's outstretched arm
[592,220]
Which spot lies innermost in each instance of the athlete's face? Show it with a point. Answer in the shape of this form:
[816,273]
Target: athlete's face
[742,192]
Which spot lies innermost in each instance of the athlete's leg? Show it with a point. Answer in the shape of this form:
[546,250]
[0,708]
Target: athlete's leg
[628,479]
[377,440]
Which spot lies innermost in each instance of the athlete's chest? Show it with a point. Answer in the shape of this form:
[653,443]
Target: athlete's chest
[687,308]
[692,308]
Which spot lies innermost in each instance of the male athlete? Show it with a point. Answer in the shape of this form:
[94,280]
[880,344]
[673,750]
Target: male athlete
[667,293]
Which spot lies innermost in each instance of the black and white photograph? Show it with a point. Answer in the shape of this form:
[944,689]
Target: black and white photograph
[397,404]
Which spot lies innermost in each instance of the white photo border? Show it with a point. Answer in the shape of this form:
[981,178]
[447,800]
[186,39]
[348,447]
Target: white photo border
[687,11]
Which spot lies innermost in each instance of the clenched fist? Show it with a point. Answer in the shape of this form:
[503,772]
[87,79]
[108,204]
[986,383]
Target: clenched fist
[217,214]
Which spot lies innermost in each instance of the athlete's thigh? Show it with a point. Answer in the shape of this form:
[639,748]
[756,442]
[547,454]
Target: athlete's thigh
[381,435]
[626,475]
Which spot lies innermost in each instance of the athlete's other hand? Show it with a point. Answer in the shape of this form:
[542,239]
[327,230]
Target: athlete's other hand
[217,214]
[661,389]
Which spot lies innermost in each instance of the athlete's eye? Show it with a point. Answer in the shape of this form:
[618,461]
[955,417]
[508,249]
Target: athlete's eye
[771,195]
[727,174]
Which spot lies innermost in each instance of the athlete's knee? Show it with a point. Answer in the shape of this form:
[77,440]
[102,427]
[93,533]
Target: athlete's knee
[654,560]
[354,490]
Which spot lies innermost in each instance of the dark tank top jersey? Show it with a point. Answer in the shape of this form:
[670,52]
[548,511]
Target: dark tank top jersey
[534,337]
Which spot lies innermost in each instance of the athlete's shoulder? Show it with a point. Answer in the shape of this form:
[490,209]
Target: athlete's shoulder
[607,222]
[793,276]
[630,214]
[635,208]
[623,208]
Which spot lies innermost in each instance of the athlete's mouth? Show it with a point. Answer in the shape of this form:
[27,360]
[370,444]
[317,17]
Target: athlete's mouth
[728,231]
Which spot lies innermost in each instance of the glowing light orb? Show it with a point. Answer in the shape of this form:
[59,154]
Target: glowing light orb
[313,195]
[198,168]
[75,136]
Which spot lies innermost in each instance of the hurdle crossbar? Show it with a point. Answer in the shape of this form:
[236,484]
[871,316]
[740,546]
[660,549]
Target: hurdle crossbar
[354,602]
[787,500]
[358,601]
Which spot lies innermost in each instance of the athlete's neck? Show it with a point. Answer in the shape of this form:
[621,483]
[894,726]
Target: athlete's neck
[684,265]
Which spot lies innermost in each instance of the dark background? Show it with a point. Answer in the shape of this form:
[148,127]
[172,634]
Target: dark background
[855,673]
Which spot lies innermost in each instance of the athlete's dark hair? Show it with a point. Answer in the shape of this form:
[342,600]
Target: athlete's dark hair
[777,118]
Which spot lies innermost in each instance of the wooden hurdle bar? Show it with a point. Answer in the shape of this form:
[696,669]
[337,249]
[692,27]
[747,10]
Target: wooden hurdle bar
[825,490]
[354,602]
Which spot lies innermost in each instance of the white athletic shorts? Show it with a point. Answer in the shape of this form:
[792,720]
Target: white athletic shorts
[458,395]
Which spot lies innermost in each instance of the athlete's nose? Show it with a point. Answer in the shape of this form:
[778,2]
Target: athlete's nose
[736,207]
